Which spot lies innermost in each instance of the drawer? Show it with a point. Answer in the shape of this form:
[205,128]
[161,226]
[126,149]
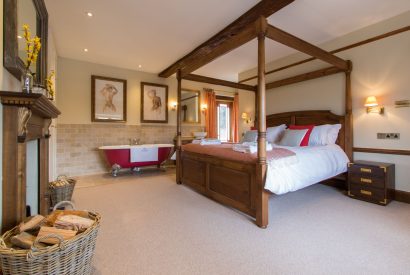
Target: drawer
[364,170]
[366,180]
[367,193]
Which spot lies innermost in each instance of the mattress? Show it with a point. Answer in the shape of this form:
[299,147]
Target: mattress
[314,164]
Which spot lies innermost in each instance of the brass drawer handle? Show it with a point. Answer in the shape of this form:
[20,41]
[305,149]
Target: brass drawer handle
[367,193]
[365,170]
[366,180]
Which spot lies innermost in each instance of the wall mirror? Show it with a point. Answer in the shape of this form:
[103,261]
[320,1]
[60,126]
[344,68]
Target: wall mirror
[16,14]
[190,106]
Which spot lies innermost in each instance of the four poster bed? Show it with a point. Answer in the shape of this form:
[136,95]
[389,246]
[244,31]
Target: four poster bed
[241,183]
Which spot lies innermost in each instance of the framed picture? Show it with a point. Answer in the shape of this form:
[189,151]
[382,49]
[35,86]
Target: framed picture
[108,99]
[154,103]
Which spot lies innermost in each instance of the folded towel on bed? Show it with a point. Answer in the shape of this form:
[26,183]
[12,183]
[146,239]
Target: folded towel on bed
[207,141]
[249,147]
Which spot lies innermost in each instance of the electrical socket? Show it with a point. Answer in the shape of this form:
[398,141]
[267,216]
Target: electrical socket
[388,135]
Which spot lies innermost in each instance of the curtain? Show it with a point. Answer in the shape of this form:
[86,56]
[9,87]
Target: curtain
[235,119]
[210,115]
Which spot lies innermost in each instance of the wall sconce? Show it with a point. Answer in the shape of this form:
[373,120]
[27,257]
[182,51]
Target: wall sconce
[402,103]
[204,107]
[246,118]
[174,106]
[372,106]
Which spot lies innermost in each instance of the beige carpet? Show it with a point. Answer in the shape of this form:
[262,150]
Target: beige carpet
[153,226]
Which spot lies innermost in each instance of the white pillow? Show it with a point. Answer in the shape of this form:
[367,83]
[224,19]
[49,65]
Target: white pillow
[292,137]
[333,133]
[250,136]
[274,134]
[324,134]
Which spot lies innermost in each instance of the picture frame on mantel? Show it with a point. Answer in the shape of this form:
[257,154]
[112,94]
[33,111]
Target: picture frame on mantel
[108,99]
[154,103]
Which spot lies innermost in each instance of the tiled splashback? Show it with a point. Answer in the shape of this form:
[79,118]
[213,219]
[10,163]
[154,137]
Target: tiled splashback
[77,144]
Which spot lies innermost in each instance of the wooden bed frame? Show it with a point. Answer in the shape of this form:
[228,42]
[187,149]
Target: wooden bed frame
[236,184]
[240,185]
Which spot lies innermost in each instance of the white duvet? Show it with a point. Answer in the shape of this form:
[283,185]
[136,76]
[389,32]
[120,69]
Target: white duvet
[314,164]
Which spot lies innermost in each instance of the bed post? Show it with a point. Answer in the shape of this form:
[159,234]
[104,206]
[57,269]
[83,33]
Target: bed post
[349,114]
[179,141]
[255,123]
[262,195]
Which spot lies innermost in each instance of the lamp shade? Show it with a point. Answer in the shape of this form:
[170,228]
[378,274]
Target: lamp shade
[371,101]
[244,116]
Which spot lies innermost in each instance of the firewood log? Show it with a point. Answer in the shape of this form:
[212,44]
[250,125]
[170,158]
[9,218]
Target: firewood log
[65,234]
[23,240]
[51,219]
[32,223]
[73,222]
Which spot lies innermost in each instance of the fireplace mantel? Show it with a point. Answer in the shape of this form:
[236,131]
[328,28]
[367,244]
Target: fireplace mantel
[37,103]
[25,117]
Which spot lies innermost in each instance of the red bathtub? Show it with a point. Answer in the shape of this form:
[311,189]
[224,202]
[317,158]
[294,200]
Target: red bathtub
[119,156]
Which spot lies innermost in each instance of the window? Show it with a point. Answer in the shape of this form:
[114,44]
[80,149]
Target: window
[224,109]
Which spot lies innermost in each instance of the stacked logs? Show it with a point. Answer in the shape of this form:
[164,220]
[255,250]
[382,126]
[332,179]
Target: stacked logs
[64,223]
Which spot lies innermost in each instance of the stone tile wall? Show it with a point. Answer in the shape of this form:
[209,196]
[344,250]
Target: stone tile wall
[77,144]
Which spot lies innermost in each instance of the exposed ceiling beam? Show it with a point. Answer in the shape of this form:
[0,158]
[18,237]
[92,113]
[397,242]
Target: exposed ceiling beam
[211,53]
[304,77]
[209,80]
[302,46]
[264,8]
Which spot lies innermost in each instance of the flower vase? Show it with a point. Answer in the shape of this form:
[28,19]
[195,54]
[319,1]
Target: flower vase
[27,82]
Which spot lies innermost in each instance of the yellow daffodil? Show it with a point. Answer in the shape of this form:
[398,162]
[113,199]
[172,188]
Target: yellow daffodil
[50,84]
[33,46]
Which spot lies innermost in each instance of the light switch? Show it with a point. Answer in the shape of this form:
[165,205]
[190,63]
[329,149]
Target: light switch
[388,135]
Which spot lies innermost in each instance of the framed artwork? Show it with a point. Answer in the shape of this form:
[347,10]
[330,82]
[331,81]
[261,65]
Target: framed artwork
[108,99]
[154,103]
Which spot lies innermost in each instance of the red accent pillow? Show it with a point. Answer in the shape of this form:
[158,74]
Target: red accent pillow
[305,140]
[254,128]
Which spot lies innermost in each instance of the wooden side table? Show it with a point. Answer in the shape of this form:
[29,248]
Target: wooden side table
[371,181]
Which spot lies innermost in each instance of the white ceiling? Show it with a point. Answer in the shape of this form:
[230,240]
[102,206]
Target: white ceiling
[155,33]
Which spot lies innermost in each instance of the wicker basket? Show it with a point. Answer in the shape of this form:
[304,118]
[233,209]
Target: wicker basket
[63,192]
[72,256]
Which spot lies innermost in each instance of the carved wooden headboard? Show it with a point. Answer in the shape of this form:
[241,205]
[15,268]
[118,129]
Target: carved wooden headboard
[310,117]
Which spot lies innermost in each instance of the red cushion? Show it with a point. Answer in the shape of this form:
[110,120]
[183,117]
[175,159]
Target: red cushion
[305,140]
[254,128]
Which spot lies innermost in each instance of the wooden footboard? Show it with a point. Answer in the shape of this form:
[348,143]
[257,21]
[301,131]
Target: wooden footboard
[231,183]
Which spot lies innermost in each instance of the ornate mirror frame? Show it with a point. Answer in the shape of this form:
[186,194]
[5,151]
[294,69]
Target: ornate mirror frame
[11,61]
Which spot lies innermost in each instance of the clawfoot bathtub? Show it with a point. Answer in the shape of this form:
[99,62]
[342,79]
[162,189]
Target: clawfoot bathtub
[126,156]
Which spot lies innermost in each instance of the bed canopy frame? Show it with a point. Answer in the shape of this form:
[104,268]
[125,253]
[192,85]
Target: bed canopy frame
[253,24]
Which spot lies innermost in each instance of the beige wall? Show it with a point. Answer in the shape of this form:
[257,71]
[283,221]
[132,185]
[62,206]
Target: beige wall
[78,137]
[74,96]
[380,68]
[52,66]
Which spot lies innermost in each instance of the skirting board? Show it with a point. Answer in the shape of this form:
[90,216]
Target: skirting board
[402,196]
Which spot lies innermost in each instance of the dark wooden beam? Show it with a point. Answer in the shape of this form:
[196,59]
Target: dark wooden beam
[303,77]
[211,53]
[215,81]
[298,44]
[264,8]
